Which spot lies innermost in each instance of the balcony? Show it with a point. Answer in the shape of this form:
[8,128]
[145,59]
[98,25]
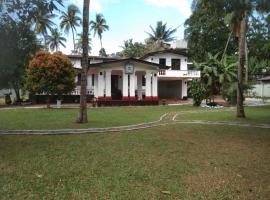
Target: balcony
[179,74]
[77,91]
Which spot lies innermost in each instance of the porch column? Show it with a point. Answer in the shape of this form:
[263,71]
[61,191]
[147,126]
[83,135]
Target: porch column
[155,85]
[96,85]
[184,89]
[108,84]
[101,84]
[148,86]
[132,78]
[139,87]
[125,86]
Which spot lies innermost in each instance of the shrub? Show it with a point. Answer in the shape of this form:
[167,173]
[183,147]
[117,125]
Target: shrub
[198,92]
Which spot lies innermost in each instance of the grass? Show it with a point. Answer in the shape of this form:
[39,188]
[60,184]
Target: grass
[253,115]
[173,162]
[65,118]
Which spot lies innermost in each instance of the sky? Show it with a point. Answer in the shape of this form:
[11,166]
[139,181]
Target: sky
[130,19]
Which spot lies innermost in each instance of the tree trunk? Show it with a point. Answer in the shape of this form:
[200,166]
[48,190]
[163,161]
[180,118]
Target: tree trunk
[240,91]
[73,39]
[82,118]
[101,43]
[16,87]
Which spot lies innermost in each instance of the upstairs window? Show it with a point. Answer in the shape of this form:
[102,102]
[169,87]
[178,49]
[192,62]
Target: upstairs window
[162,61]
[176,64]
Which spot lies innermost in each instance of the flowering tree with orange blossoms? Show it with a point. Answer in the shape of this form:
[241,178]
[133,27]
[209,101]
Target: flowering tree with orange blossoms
[50,74]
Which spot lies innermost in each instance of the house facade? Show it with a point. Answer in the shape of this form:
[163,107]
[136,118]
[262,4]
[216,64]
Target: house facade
[172,82]
[157,75]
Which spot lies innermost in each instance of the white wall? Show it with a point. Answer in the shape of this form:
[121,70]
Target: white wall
[76,63]
[260,90]
[169,57]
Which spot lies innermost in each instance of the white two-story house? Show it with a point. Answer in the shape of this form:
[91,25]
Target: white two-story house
[172,82]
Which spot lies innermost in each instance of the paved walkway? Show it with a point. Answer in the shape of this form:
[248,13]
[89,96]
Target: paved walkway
[166,119]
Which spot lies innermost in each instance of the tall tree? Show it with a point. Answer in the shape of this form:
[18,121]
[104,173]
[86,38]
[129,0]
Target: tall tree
[99,26]
[18,43]
[42,23]
[161,35]
[239,11]
[55,40]
[258,36]
[18,40]
[70,20]
[207,31]
[82,118]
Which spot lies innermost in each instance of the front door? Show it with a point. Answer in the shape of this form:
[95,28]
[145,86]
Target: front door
[116,92]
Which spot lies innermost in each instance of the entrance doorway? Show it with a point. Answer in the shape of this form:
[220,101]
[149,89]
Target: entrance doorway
[116,92]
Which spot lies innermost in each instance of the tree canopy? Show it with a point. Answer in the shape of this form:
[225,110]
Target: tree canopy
[50,74]
[132,49]
[18,43]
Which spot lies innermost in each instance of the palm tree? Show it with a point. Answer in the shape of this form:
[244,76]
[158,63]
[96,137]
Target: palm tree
[70,20]
[78,44]
[99,26]
[55,40]
[161,35]
[239,13]
[42,23]
[82,118]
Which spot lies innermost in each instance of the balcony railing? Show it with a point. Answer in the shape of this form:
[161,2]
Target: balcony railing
[77,91]
[179,74]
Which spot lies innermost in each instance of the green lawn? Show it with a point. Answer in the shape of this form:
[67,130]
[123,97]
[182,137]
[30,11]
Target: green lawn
[108,117]
[173,162]
[253,115]
[65,118]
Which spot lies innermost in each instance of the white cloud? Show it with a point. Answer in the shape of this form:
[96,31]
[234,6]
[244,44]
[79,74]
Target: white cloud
[182,5]
[95,5]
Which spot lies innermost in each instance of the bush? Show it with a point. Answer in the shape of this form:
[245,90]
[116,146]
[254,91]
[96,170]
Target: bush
[50,74]
[229,94]
[198,92]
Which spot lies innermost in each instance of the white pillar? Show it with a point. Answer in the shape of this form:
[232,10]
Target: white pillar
[148,86]
[108,84]
[132,85]
[89,82]
[155,84]
[184,88]
[125,85]
[96,85]
[101,84]
[139,87]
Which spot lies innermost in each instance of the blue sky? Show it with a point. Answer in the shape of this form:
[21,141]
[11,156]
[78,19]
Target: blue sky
[131,18]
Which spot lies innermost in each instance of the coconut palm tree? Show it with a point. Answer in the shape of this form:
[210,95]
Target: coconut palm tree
[55,40]
[99,26]
[161,35]
[42,23]
[82,118]
[239,12]
[78,44]
[70,20]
